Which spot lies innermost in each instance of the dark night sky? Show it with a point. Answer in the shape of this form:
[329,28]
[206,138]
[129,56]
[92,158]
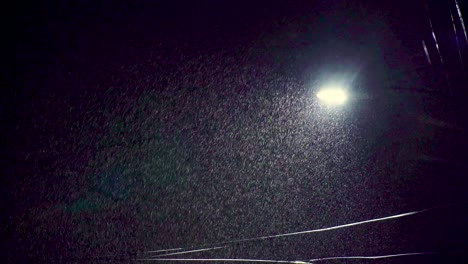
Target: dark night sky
[131,126]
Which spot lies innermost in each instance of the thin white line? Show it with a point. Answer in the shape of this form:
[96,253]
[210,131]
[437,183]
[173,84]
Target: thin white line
[456,38]
[164,250]
[225,243]
[461,20]
[298,233]
[372,257]
[229,260]
[189,251]
[427,53]
[287,261]
[438,50]
[346,225]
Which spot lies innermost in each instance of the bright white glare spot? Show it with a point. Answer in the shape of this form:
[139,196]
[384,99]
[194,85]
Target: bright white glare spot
[333,95]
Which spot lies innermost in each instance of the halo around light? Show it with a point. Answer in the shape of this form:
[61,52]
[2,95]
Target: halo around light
[334,95]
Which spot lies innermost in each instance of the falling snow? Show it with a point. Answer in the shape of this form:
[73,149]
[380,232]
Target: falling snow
[153,143]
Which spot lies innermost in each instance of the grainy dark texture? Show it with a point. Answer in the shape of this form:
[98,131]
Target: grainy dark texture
[136,126]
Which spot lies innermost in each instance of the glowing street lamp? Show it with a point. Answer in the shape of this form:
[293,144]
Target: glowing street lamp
[333,95]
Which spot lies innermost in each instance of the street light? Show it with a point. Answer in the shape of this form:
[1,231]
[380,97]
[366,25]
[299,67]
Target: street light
[333,94]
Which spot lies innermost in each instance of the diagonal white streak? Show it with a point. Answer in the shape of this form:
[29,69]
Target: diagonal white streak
[228,260]
[427,53]
[164,250]
[372,257]
[189,251]
[438,50]
[296,233]
[461,21]
[284,261]
[226,243]
[345,225]
[456,38]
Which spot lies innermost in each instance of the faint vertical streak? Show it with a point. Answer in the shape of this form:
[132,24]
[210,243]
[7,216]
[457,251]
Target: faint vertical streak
[428,57]
[461,20]
[438,50]
[427,53]
[456,38]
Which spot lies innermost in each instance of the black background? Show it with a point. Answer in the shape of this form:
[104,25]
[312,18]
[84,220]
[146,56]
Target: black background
[130,126]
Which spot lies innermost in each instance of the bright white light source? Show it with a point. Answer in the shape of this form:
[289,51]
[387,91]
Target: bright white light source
[333,95]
